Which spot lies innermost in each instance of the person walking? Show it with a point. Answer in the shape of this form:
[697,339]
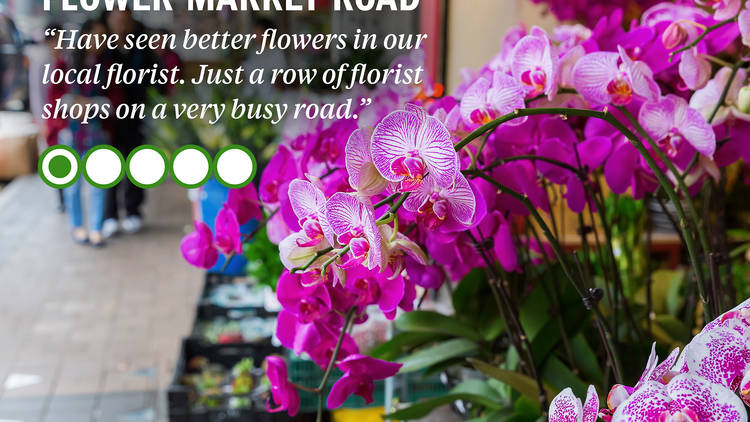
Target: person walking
[82,137]
[128,134]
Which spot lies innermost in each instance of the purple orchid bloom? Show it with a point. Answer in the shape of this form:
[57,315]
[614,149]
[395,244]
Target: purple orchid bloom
[566,407]
[360,372]
[198,247]
[371,287]
[450,209]
[245,203]
[670,120]
[363,176]
[535,64]
[601,81]
[308,301]
[228,237]
[487,100]
[687,397]
[625,169]
[354,225]
[283,393]
[425,276]
[406,145]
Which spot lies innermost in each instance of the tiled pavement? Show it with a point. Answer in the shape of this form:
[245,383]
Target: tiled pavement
[89,335]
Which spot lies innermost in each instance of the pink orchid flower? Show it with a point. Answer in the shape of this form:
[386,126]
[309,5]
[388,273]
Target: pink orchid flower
[686,398]
[363,176]
[406,145]
[449,208]
[228,237]
[670,121]
[372,287]
[694,70]
[601,80]
[308,301]
[318,338]
[535,64]
[566,407]
[360,372]
[283,392]
[198,248]
[354,225]
[245,203]
[487,100]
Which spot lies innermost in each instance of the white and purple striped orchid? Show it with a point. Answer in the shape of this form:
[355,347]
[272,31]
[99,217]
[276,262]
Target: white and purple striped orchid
[449,209]
[408,144]
[487,100]
[670,121]
[354,225]
[535,64]
[363,176]
[566,407]
[686,398]
[605,77]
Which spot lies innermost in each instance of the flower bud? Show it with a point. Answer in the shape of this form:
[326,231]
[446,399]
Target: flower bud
[674,36]
[743,99]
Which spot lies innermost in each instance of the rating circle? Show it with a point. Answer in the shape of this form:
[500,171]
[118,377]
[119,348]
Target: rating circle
[103,166]
[191,166]
[146,166]
[59,166]
[235,166]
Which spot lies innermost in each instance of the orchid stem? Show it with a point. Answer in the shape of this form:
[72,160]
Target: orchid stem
[607,337]
[698,267]
[332,363]
[700,37]
[312,260]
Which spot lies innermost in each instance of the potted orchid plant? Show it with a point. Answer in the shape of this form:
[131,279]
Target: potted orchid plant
[425,192]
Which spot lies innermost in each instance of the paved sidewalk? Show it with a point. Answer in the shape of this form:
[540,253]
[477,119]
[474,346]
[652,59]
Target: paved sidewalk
[90,335]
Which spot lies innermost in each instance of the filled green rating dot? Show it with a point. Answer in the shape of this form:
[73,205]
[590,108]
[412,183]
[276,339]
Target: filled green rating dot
[59,166]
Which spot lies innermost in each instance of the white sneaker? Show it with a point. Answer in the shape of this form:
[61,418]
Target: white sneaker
[132,224]
[110,227]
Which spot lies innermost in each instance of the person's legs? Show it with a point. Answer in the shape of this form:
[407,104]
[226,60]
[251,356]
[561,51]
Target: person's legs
[133,196]
[75,212]
[96,215]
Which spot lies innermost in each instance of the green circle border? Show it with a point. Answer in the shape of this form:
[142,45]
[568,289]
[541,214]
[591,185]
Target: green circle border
[202,151]
[215,166]
[166,166]
[122,167]
[40,170]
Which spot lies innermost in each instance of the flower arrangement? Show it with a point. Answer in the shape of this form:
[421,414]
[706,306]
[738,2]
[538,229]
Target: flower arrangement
[425,191]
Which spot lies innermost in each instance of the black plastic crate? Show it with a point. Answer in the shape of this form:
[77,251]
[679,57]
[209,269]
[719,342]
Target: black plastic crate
[179,400]
[208,309]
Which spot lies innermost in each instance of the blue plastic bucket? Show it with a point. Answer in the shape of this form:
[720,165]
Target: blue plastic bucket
[213,196]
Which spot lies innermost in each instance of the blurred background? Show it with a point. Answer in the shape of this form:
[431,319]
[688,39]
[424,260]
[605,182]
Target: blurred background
[97,334]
